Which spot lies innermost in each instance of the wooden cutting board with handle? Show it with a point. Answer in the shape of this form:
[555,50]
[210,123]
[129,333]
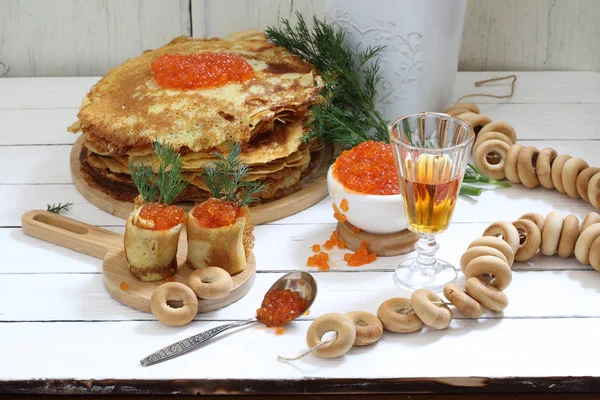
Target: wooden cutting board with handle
[108,246]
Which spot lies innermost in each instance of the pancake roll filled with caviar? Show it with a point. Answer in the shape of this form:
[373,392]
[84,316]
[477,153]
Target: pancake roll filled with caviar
[153,227]
[219,230]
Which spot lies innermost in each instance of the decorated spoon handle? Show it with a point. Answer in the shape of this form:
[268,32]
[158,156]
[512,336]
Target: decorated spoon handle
[189,344]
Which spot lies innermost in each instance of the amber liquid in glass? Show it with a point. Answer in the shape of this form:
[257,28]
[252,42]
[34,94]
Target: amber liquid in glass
[430,196]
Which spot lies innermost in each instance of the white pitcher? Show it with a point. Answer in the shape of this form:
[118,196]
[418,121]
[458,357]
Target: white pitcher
[422,39]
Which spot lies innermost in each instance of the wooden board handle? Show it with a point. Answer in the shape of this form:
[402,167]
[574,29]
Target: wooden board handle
[69,233]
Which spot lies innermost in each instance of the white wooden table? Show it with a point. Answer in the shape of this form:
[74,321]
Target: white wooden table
[62,333]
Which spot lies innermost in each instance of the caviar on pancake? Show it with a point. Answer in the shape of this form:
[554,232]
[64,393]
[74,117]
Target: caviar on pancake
[215,213]
[164,216]
[368,168]
[200,71]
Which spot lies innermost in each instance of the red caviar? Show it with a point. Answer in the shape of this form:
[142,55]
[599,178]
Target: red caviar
[163,216]
[124,286]
[316,248]
[344,205]
[214,213]
[360,257]
[279,331]
[319,260]
[200,71]
[355,230]
[280,306]
[368,168]
[307,312]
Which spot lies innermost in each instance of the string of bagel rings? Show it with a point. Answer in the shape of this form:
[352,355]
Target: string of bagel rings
[487,262]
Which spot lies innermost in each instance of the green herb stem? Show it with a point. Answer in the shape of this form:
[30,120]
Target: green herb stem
[468,190]
[57,208]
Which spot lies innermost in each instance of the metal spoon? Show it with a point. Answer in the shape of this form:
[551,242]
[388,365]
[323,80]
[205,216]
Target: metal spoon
[301,282]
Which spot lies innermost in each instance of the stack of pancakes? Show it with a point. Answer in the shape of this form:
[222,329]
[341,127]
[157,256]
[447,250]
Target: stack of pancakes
[126,111]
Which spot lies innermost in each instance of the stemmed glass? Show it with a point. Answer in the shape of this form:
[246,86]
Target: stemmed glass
[431,151]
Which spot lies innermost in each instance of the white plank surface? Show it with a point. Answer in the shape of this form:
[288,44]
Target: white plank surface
[550,298]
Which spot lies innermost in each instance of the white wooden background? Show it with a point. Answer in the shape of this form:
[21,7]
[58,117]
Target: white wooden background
[87,37]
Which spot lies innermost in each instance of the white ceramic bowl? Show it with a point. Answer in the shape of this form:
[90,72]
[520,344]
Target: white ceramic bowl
[381,214]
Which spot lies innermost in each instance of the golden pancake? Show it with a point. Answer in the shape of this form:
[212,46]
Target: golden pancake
[126,111]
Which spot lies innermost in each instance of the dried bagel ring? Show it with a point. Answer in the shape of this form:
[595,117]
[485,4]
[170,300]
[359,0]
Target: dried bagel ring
[508,231]
[210,282]
[397,315]
[368,327]
[557,169]
[472,107]
[484,137]
[530,238]
[474,252]
[571,169]
[430,309]
[489,158]
[454,112]
[490,265]
[538,219]
[501,127]
[551,233]
[462,301]
[594,191]
[498,244]
[525,167]
[510,163]
[477,121]
[169,315]
[595,254]
[589,219]
[568,236]
[584,243]
[487,295]
[583,180]
[543,167]
[331,322]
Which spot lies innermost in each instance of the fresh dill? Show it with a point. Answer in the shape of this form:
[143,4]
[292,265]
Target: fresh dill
[226,179]
[57,208]
[164,186]
[346,113]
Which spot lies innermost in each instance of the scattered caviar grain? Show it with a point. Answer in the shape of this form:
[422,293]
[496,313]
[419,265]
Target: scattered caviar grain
[361,256]
[163,216]
[344,205]
[307,312]
[279,331]
[341,244]
[316,248]
[368,168]
[124,286]
[319,260]
[336,210]
[355,230]
[200,71]
[169,279]
[342,218]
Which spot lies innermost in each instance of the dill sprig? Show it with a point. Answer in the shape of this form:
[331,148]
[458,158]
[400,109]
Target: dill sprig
[346,111]
[57,208]
[226,178]
[167,183]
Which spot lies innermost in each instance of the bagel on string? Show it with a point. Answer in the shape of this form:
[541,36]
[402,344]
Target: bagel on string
[489,296]
[551,233]
[490,157]
[498,244]
[501,127]
[594,254]
[484,137]
[462,301]
[572,168]
[594,191]
[530,238]
[477,121]
[368,327]
[583,181]
[543,167]
[210,282]
[508,232]
[510,163]
[589,219]
[331,322]
[460,108]
[483,266]
[525,167]
[584,243]
[397,315]
[557,169]
[430,309]
[169,315]
[538,219]
[474,252]
[568,236]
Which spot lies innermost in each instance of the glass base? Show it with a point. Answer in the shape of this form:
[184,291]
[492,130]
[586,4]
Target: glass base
[410,276]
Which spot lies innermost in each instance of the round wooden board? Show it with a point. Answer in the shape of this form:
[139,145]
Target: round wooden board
[393,244]
[313,189]
[138,294]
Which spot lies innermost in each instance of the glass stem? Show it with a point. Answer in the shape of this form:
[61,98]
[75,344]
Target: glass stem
[426,263]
